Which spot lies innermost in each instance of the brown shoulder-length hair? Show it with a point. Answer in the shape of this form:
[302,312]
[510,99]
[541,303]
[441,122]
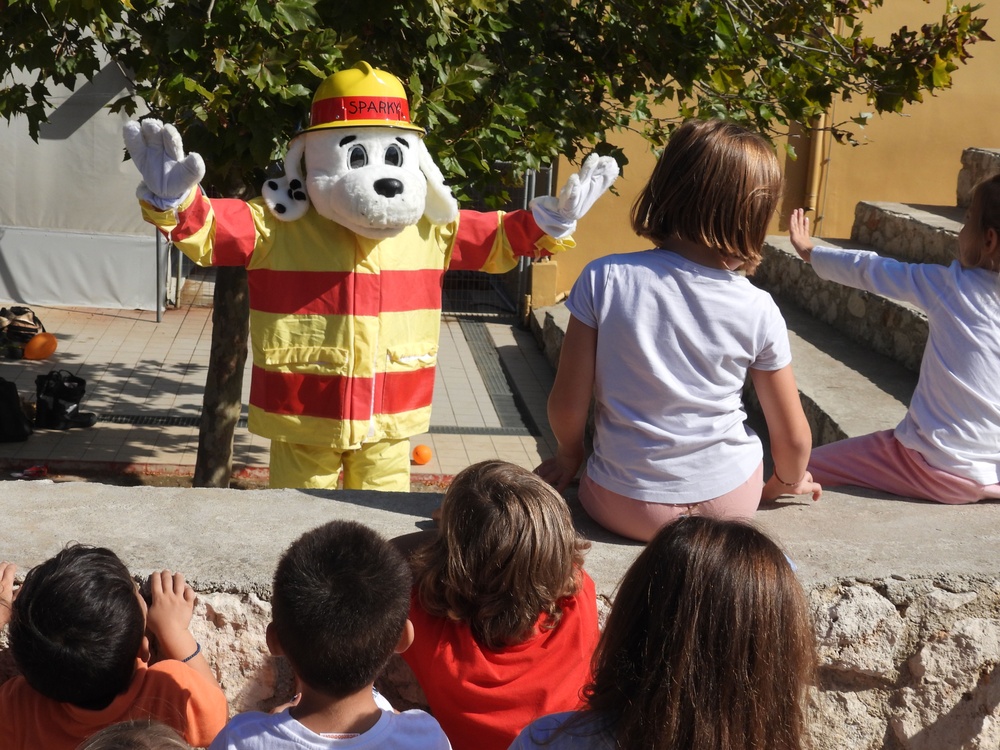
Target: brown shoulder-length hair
[716,184]
[708,645]
[505,556]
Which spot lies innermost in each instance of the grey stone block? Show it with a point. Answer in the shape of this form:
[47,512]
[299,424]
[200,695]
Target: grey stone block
[977,165]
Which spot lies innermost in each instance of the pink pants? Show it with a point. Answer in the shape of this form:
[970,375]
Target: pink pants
[640,520]
[880,462]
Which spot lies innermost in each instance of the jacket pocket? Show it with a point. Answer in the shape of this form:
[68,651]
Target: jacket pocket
[408,357]
[307,358]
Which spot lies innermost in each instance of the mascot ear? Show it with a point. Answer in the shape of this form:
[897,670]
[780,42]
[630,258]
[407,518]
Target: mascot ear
[441,206]
[286,196]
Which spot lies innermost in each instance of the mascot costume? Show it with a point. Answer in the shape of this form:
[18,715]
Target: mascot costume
[345,266]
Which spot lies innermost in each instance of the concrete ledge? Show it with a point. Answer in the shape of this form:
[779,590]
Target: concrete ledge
[905,595]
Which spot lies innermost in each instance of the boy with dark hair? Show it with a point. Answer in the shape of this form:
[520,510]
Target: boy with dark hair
[339,610]
[78,636]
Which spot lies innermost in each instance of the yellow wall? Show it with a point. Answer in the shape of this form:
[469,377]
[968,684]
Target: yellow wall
[914,157]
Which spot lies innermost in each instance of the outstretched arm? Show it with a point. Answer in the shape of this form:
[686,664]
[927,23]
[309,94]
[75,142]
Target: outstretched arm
[791,438]
[569,403]
[492,241]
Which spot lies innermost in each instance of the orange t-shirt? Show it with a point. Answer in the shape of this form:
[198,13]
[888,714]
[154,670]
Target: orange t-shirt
[168,691]
[483,698]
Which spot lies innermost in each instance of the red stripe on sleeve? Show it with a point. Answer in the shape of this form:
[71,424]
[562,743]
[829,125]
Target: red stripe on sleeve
[235,234]
[522,233]
[191,219]
[477,233]
[344,292]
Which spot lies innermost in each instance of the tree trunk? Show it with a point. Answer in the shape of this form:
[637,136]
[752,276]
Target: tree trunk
[224,382]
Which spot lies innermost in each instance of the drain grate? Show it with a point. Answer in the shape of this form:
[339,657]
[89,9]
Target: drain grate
[163,421]
[510,408]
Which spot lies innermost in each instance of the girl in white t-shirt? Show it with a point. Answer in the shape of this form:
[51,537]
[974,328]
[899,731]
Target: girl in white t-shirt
[947,448]
[708,645]
[663,340]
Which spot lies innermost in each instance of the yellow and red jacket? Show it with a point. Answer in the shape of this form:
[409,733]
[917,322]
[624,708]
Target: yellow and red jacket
[344,329]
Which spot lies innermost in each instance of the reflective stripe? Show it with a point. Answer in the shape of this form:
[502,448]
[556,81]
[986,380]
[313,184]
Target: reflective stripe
[344,292]
[338,396]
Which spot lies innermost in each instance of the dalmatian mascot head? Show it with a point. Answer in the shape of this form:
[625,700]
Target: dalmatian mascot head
[366,165]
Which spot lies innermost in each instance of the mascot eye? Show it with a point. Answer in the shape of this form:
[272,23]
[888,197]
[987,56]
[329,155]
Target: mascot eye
[357,157]
[393,156]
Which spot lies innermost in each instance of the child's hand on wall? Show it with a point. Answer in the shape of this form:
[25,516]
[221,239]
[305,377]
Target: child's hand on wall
[798,233]
[170,617]
[560,470]
[7,571]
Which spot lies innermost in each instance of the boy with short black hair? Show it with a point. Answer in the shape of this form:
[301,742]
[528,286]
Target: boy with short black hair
[339,604]
[78,636]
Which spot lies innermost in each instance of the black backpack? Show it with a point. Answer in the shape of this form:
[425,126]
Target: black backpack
[15,427]
[18,325]
[58,401]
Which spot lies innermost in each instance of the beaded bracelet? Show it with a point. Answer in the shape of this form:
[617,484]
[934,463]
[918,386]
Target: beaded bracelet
[787,484]
[197,651]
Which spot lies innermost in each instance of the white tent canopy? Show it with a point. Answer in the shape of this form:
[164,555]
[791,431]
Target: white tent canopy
[70,229]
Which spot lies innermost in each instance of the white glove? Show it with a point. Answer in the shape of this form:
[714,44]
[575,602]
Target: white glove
[557,215]
[167,174]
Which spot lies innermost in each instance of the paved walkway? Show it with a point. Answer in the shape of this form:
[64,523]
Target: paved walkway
[145,381]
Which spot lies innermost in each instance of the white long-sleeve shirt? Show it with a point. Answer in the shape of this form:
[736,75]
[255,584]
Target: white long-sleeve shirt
[954,416]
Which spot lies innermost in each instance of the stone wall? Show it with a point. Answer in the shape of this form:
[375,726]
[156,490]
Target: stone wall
[906,663]
[905,596]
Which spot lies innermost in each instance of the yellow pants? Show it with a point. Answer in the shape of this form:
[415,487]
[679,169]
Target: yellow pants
[383,465]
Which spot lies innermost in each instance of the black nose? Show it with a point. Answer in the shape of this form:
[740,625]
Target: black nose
[388,187]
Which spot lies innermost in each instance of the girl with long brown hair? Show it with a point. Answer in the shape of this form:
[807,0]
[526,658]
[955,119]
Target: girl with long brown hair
[708,647]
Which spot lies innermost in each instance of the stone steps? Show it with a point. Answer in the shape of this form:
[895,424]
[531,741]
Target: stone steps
[916,234]
[893,329]
[845,389]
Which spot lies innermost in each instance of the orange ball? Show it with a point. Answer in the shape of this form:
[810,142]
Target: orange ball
[422,454]
[40,346]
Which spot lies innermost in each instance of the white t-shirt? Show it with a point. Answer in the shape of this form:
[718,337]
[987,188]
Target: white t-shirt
[674,342]
[954,415]
[542,733]
[254,730]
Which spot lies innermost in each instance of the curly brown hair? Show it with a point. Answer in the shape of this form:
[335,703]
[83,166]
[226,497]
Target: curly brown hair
[505,557]
[717,185]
